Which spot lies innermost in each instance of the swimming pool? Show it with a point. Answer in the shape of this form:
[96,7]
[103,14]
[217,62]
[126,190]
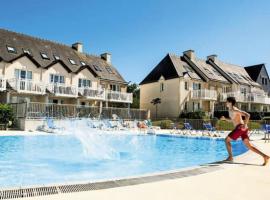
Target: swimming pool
[50,159]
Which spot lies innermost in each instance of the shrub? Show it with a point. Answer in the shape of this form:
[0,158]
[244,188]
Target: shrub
[224,125]
[164,124]
[228,126]
[193,115]
[6,114]
[254,125]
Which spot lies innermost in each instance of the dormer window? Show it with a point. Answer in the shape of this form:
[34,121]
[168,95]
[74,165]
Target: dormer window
[26,51]
[109,70]
[187,68]
[72,62]
[83,63]
[11,49]
[216,72]
[56,57]
[44,56]
[97,68]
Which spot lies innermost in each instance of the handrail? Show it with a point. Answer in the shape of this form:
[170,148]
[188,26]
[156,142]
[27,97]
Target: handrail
[204,94]
[119,96]
[92,93]
[27,86]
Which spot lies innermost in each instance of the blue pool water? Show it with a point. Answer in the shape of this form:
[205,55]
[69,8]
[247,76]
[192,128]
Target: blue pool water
[35,160]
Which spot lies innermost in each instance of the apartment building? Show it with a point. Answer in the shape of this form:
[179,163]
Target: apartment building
[186,83]
[38,70]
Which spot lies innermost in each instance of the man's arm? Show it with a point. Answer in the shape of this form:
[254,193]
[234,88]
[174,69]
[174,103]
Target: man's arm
[225,119]
[246,115]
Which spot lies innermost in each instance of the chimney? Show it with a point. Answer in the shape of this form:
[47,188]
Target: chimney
[107,57]
[190,54]
[212,57]
[78,46]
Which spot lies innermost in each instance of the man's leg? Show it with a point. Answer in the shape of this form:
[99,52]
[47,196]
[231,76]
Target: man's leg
[254,149]
[229,148]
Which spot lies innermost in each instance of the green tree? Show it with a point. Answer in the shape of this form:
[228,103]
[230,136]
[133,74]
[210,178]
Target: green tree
[135,90]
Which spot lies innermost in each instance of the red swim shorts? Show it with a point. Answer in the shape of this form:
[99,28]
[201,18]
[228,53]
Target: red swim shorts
[239,131]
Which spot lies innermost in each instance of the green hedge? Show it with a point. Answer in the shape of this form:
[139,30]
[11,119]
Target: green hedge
[197,124]
[228,126]
[193,115]
[6,114]
[164,124]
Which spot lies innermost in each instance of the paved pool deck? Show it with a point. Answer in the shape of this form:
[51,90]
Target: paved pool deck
[243,179]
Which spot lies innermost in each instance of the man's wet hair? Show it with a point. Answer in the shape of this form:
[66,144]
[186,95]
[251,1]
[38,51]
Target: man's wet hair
[231,100]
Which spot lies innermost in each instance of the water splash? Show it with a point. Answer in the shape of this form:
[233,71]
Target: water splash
[94,142]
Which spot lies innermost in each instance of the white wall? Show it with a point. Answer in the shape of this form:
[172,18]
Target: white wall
[169,106]
[56,69]
[85,74]
[25,64]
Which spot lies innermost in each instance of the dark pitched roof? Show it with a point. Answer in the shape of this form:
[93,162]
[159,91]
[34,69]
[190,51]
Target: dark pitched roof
[237,73]
[25,55]
[254,71]
[61,63]
[87,67]
[171,66]
[37,46]
[206,70]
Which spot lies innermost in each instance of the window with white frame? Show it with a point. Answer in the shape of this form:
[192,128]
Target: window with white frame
[196,86]
[97,68]
[243,90]
[23,74]
[226,89]
[83,63]
[44,56]
[26,51]
[11,49]
[54,78]
[84,83]
[115,87]
[56,57]
[264,81]
[72,61]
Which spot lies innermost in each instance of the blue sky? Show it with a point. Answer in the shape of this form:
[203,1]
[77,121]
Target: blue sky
[140,33]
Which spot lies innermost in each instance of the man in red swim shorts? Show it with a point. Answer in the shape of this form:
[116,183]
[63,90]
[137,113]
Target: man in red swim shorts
[241,129]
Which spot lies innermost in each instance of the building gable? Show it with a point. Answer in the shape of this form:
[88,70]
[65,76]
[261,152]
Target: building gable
[165,68]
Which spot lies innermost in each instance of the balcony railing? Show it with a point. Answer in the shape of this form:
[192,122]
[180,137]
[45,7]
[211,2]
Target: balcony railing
[90,93]
[27,86]
[204,94]
[246,98]
[115,96]
[2,84]
[63,90]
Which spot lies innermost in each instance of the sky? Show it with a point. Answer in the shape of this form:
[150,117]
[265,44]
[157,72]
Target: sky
[140,33]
